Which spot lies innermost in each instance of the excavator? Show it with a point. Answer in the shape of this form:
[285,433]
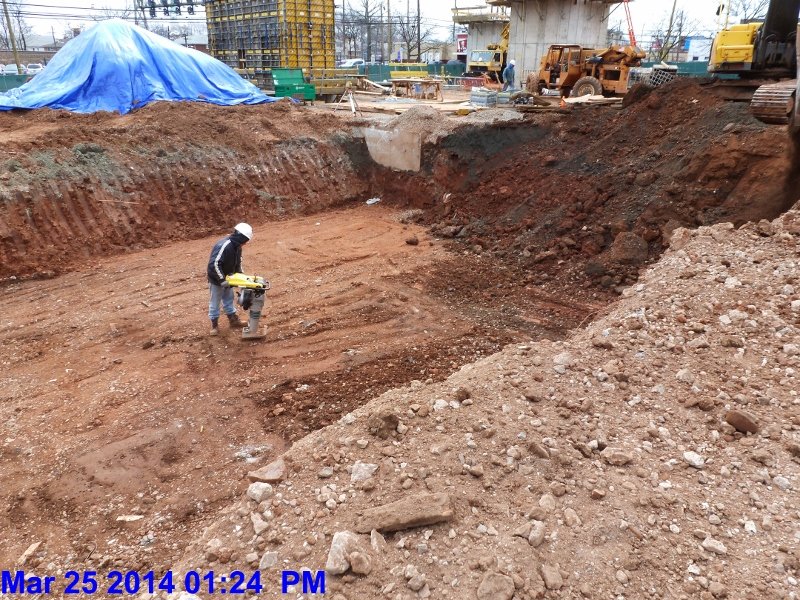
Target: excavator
[762,51]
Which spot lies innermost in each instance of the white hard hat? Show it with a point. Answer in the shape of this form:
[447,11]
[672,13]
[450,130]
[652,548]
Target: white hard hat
[513,63]
[245,230]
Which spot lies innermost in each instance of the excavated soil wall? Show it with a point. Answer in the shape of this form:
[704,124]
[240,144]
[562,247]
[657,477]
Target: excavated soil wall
[77,187]
[138,412]
[600,188]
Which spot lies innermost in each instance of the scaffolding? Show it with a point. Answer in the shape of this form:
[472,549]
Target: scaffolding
[255,36]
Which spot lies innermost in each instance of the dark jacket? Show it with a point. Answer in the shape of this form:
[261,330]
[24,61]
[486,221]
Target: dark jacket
[226,258]
[508,75]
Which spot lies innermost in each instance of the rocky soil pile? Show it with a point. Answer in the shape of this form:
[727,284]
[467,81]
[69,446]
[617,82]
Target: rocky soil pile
[430,124]
[653,454]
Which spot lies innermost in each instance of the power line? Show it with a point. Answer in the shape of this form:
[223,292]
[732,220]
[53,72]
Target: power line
[198,4]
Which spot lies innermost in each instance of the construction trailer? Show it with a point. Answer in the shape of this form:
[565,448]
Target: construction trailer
[256,36]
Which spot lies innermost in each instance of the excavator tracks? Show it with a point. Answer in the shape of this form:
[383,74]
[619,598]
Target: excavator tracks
[775,102]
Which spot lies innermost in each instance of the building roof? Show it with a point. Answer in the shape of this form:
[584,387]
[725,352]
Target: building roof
[38,41]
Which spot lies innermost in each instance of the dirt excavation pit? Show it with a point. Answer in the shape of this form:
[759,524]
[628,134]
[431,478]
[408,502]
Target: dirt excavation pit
[116,402]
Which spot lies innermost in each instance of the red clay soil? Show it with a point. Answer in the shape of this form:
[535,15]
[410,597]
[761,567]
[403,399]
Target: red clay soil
[75,187]
[116,402]
[600,188]
[677,156]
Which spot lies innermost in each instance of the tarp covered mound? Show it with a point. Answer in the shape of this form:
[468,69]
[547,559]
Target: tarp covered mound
[116,66]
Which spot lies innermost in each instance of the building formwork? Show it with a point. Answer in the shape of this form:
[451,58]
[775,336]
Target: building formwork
[256,36]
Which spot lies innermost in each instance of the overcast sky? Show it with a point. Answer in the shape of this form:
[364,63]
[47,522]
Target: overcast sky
[59,14]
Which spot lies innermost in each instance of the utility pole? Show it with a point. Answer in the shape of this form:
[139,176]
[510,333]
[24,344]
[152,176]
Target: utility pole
[419,34]
[368,17]
[407,36]
[389,25]
[455,6]
[144,14]
[12,37]
[345,53]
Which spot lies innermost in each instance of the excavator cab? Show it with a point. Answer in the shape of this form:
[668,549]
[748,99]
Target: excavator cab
[757,50]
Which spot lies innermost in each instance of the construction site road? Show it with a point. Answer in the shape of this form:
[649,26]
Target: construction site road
[116,401]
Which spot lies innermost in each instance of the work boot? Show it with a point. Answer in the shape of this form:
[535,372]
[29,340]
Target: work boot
[253,335]
[234,321]
[214,327]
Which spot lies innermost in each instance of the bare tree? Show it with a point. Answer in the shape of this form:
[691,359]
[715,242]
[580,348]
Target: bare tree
[19,25]
[671,33]
[104,13]
[173,31]
[370,9]
[358,27]
[749,10]
[415,36]
[351,32]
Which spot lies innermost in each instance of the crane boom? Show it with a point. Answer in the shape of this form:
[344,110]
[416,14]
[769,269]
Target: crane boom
[631,32]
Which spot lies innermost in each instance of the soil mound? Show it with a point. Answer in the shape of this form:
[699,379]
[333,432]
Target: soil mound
[636,94]
[426,121]
[569,185]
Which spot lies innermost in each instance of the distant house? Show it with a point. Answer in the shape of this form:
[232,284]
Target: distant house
[196,41]
[37,43]
[31,48]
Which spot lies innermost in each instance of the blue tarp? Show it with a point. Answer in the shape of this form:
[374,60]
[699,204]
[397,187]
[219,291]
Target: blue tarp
[116,66]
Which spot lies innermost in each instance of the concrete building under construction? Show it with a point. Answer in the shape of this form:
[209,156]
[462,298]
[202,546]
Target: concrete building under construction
[255,36]
[536,24]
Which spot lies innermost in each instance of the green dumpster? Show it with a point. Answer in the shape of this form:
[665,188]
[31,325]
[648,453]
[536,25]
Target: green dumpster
[291,83]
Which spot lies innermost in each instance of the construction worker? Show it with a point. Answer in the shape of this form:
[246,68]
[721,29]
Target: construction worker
[226,259]
[508,75]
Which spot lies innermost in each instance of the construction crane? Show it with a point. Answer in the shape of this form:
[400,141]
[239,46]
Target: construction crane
[631,32]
